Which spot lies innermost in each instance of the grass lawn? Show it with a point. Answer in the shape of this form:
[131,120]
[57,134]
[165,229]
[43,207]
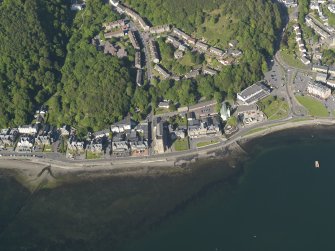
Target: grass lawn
[92,155]
[181,144]
[314,107]
[47,148]
[161,110]
[207,143]
[274,109]
[291,60]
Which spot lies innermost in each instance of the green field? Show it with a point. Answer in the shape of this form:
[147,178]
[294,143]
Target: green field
[274,108]
[92,155]
[207,143]
[314,107]
[181,144]
[291,59]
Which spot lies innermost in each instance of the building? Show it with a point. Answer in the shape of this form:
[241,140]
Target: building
[143,24]
[331,70]
[178,54]
[117,34]
[321,77]
[161,71]
[138,64]
[160,29]
[139,77]
[25,144]
[28,129]
[124,125]
[201,46]
[253,93]
[216,52]
[77,6]
[320,68]
[154,52]
[236,53]
[319,90]
[305,60]
[113,25]
[133,40]
[209,71]
[172,40]
[121,53]
[192,74]
[110,49]
[114,2]
[160,139]
[225,112]
[331,82]
[164,104]
[102,134]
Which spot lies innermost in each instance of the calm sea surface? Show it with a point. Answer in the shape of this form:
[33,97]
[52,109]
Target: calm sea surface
[280,202]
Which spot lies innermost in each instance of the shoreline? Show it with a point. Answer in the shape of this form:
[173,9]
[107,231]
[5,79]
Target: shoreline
[33,172]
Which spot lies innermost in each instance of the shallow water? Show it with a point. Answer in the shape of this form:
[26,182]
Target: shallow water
[279,202]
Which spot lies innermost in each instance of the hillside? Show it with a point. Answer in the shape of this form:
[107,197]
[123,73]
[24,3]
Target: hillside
[32,51]
[254,23]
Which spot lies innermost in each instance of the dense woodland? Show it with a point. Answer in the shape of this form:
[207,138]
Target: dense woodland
[52,61]
[33,40]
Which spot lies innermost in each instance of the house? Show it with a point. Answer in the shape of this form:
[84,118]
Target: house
[331,70]
[319,90]
[236,53]
[161,71]
[253,93]
[77,6]
[154,52]
[209,71]
[74,145]
[110,49]
[121,53]
[115,24]
[178,54]
[65,130]
[139,77]
[114,2]
[102,134]
[139,146]
[160,29]
[233,43]
[164,104]
[138,60]
[205,127]
[120,148]
[317,56]
[320,68]
[305,60]
[321,77]
[143,129]
[216,51]
[175,42]
[25,144]
[133,40]
[95,146]
[143,24]
[117,34]
[192,74]
[331,82]
[160,139]
[225,112]
[28,129]
[43,140]
[201,46]
[125,125]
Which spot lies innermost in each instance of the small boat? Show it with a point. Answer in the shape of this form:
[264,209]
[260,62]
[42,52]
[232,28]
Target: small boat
[317,164]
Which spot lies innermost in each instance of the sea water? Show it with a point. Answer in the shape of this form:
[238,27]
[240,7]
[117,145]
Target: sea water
[279,202]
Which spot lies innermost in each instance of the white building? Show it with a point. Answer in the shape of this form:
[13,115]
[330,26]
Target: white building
[319,90]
